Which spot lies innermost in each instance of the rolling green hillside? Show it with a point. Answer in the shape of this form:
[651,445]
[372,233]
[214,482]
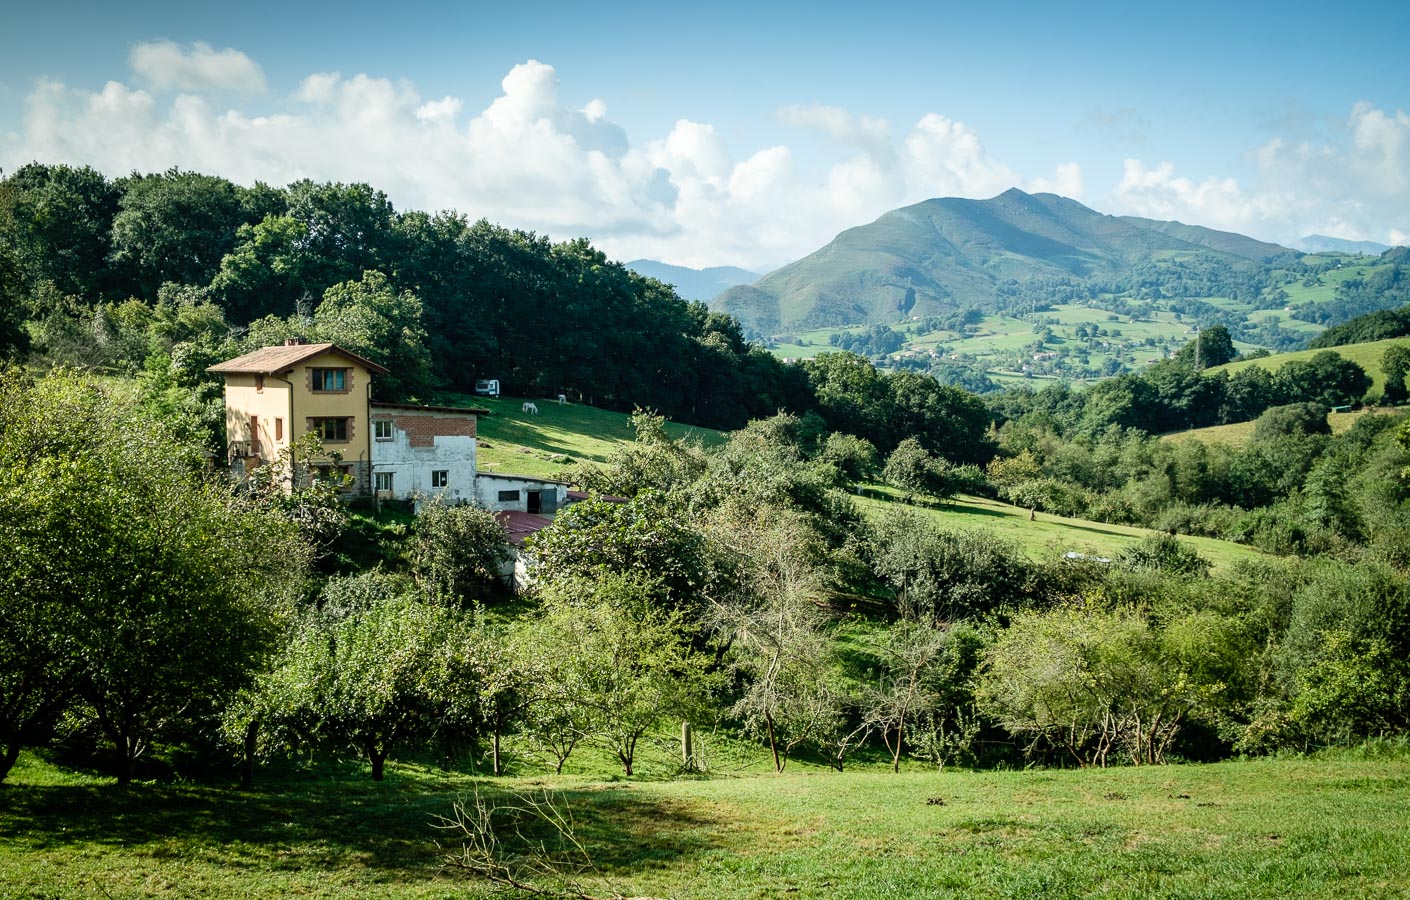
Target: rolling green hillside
[1239,433]
[1048,535]
[1000,286]
[956,253]
[514,442]
[1221,241]
[1367,356]
[543,446]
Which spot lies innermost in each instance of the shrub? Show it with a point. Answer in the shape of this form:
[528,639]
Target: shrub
[1163,553]
[1294,418]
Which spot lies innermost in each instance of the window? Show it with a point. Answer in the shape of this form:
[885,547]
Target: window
[382,481]
[508,496]
[329,379]
[440,478]
[279,429]
[259,384]
[331,430]
[341,476]
[382,429]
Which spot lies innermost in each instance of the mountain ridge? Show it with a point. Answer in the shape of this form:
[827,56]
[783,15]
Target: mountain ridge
[694,284]
[949,252]
[1321,243]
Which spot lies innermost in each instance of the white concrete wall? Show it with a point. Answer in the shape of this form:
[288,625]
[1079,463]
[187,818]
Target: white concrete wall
[514,572]
[411,467]
[489,486]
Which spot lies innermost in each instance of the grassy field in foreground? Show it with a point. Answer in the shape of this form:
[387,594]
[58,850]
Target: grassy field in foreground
[1321,827]
[1047,535]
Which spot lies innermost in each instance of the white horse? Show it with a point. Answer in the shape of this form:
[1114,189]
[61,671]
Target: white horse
[562,399]
[531,408]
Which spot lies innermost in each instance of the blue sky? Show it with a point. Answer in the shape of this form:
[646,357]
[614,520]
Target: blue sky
[732,133]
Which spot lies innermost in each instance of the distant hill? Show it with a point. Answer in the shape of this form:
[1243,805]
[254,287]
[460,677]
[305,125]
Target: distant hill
[1367,356]
[951,253]
[1320,243]
[1240,433]
[694,284]
[1376,326]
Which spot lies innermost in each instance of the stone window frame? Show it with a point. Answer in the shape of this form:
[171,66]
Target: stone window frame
[349,428]
[347,379]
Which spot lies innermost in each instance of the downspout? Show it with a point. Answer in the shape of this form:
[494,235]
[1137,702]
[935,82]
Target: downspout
[367,453]
[290,435]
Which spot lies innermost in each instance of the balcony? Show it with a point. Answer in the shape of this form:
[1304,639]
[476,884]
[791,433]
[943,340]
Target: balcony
[245,449]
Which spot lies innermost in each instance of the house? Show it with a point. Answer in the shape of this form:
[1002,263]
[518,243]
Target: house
[424,452]
[394,451]
[276,395]
[397,451]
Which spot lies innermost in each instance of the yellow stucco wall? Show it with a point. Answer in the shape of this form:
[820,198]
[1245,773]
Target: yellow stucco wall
[351,404]
[288,397]
[243,399]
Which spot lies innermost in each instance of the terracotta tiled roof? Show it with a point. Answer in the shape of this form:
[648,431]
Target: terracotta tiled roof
[269,360]
[519,525]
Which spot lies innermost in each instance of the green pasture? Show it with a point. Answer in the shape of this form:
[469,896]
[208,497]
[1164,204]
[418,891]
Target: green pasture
[514,442]
[1321,827]
[1320,293]
[809,344]
[1367,356]
[1281,317]
[1046,535]
[1037,382]
[1240,433]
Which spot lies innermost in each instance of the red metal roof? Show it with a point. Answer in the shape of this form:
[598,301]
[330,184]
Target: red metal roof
[519,525]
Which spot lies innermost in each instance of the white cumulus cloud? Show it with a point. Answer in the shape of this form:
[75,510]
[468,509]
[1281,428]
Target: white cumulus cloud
[1353,183]
[529,159]
[165,65]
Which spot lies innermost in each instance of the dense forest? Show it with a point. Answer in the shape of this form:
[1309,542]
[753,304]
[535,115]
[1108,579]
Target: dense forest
[115,274]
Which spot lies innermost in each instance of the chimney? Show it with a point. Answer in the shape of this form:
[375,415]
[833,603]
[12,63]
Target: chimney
[293,342]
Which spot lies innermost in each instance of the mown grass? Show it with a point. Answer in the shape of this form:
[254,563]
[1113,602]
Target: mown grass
[1319,827]
[559,436]
[1047,535]
[1240,433]
[1367,356]
[512,441]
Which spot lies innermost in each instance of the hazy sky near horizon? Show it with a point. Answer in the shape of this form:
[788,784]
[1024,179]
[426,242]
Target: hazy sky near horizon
[732,133]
